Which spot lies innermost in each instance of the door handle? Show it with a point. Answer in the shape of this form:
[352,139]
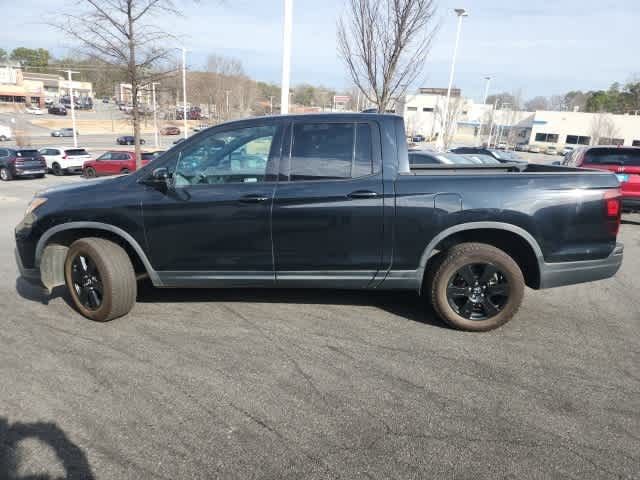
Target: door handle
[363,194]
[256,198]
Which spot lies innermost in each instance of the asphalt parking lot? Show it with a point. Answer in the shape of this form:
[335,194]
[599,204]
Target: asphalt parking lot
[316,384]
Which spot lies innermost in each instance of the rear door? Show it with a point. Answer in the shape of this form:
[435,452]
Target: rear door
[328,208]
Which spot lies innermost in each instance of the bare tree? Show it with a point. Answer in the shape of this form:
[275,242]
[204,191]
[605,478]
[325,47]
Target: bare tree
[384,43]
[450,123]
[119,33]
[603,129]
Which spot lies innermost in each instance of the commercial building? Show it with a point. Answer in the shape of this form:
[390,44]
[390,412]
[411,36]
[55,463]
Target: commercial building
[477,122]
[15,89]
[18,86]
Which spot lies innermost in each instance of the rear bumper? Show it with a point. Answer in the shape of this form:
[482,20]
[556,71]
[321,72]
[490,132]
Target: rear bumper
[569,273]
[631,203]
[28,171]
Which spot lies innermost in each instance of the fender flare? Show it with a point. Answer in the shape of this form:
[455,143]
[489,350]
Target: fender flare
[44,239]
[428,251]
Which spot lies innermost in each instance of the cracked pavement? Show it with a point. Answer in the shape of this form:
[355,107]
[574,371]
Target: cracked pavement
[277,384]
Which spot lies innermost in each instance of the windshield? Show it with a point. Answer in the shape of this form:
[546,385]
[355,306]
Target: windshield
[76,152]
[27,153]
[506,155]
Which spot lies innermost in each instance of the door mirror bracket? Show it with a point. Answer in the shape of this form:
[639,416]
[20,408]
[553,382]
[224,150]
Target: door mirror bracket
[160,178]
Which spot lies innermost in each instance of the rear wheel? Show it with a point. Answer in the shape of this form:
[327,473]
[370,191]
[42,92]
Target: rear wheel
[5,174]
[476,287]
[3,138]
[100,279]
[89,172]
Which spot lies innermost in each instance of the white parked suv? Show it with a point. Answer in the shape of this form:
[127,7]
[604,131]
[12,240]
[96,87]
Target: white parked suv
[5,133]
[61,160]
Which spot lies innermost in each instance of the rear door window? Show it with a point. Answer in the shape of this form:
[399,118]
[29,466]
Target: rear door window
[331,151]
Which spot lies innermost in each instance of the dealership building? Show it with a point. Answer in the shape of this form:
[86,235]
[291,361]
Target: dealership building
[424,114]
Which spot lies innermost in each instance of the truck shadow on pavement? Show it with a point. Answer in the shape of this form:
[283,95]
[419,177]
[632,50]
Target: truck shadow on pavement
[71,457]
[401,303]
[408,305]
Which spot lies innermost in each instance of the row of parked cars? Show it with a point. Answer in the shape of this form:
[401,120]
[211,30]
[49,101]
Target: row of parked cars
[18,162]
[462,156]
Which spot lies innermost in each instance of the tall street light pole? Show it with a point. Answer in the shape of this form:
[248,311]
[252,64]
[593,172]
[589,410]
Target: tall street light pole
[184,91]
[73,109]
[484,102]
[461,12]
[287,29]
[155,114]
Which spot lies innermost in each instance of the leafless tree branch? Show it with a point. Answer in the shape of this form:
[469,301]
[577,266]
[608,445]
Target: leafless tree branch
[384,43]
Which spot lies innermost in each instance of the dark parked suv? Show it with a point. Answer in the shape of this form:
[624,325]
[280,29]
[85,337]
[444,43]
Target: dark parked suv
[324,201]
[21,162]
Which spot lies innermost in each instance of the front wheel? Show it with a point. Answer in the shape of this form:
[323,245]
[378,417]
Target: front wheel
[57,169]
[89,172]
[100,279]
[476,287]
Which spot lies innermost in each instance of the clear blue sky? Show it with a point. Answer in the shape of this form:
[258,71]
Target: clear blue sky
[540,47]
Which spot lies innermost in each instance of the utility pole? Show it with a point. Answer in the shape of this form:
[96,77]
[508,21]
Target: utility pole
[461,12]
[287,28]
[73,107]
[484,102]
[184,91]
[155,113]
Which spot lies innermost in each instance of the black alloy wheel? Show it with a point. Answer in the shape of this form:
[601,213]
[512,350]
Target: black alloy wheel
[478,291]
[87,282]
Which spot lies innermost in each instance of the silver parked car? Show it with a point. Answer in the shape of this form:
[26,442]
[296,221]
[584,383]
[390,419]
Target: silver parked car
[64,132]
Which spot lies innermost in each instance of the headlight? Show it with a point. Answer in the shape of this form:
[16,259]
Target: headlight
[35,203]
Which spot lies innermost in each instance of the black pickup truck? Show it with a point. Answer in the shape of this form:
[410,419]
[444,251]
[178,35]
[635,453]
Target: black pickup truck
[325,201]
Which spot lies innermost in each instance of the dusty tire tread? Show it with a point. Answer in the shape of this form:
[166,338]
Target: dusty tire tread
[118,276]
[452,256]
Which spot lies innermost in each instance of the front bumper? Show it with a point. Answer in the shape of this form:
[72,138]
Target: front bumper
[30,274]
[569,273]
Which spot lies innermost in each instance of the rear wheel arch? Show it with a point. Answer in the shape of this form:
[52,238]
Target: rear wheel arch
[54,243]
[513,240]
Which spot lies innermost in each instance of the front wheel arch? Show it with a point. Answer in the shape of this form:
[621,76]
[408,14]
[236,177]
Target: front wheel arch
[54,243]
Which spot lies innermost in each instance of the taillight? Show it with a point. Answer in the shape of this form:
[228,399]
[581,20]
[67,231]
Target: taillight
[613,210]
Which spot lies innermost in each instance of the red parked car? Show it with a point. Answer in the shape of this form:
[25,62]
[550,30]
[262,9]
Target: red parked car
[114,162]
[623,161]
[170,130]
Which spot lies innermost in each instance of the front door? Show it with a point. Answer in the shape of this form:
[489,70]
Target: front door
[328,210]
[212,226]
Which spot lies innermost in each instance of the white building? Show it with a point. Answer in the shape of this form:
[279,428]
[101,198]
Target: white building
[423,116]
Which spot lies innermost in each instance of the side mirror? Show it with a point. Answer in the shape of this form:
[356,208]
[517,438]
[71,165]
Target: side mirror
[160,178]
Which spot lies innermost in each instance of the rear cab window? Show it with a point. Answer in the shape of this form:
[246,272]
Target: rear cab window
[76,152]
[613,156]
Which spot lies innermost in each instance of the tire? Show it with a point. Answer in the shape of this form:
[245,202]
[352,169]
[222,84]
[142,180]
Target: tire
[89,172]
[5,174]
[56,169]
[100,279]
[3,138]
[475,287]
[124,171]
